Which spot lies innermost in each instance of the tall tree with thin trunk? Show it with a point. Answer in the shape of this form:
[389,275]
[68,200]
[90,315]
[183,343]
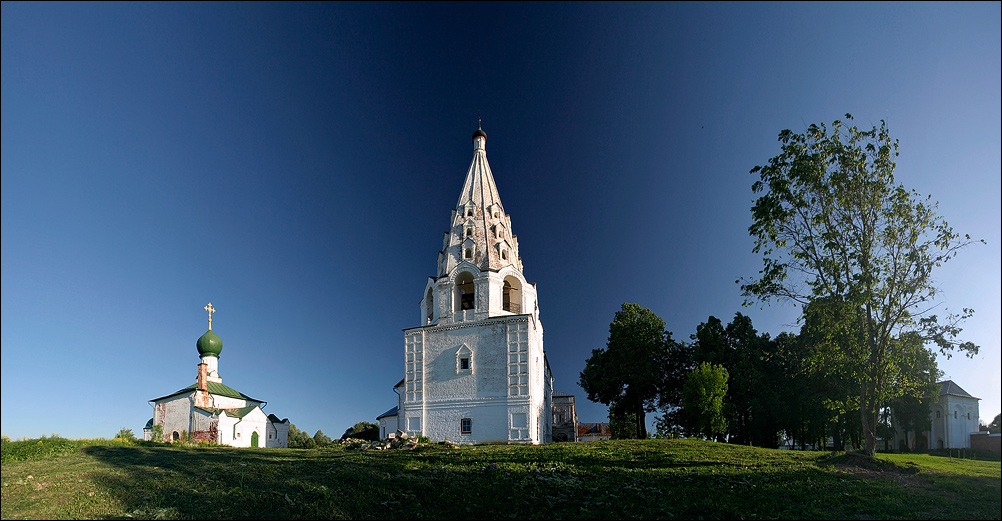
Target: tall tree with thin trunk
[832,225]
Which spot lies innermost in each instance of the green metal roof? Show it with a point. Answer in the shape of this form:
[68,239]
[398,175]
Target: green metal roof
[238,412]
[213,388]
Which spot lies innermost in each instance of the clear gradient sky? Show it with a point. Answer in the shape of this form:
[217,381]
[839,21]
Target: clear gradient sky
[296,165]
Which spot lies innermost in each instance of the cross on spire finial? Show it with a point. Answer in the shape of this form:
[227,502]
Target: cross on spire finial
[210,309]
[478,121]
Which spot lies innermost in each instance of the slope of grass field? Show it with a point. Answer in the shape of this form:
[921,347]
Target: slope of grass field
[649,479]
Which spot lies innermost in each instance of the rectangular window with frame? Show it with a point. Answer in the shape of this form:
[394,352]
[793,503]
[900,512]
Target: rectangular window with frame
[466,426]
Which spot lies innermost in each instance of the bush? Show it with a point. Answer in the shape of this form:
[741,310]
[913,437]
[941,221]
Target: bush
[125,434]
[362,431]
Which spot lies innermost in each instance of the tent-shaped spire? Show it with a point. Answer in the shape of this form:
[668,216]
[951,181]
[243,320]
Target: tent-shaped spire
[481,230]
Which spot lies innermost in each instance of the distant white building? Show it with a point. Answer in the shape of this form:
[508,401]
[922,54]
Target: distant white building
[475,370]
[208,410]
[954,418]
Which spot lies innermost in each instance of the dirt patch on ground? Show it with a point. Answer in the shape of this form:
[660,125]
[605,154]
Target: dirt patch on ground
[863,466]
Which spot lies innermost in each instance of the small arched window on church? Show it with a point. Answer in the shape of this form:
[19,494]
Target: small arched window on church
[954,415]
[468,254]
[504,254]
[465,291]
[469,231]
[469,211]
[937,414]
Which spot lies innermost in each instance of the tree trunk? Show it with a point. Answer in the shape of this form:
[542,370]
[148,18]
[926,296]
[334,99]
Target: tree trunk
[867,401]
[641,422]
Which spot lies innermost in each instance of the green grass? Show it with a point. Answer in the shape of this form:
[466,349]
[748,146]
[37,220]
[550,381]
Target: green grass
[650,479]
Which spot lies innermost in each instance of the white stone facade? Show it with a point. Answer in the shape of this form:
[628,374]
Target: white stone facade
[475,370]
[954,418]
[209,411]
[181,418]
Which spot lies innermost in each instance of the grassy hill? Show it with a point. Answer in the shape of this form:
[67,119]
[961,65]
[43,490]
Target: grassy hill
[650,479]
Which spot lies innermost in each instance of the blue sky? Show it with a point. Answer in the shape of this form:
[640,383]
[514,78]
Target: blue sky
[296,164]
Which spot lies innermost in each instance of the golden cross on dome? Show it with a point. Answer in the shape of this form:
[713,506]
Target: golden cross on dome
[210,309]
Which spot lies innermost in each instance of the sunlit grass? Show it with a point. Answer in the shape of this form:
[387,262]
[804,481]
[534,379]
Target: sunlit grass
[650,479]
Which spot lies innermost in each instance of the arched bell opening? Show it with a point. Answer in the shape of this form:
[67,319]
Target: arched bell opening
[511,295]
[465,293]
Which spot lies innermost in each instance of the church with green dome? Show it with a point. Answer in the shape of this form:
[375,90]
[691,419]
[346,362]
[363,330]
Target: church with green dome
[211,411]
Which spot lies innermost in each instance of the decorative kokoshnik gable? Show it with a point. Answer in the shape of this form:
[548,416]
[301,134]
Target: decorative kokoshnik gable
[208,410]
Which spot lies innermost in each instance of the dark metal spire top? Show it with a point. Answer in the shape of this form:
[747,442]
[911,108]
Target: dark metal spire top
[480,130]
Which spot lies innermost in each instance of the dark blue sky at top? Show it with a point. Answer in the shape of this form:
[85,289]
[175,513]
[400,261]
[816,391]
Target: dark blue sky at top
[296,164]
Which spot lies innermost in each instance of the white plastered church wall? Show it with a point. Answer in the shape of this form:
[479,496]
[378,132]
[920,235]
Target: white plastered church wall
[480,304]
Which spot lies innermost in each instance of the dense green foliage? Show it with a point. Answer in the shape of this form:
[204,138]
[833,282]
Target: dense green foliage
[125,434]
[834,229]
[45,447]
[629,479]
[636,369]
[996,425]
[796,389]
[299,439]
[703,401]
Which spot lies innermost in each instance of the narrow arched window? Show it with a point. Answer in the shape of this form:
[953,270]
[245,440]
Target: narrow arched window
[429,306]
[469,253]
[469,232]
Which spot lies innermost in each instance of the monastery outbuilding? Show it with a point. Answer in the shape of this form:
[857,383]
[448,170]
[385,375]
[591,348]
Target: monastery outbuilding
[474,369]
[954,419]
[208,410]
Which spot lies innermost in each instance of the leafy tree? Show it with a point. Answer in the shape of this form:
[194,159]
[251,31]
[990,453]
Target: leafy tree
[299,439]
[916,388]
[622,425]
[703,400]
[321,439]
[634,369]
[753,400]
[157,433]
[831,224]
[125,434]
[996,425]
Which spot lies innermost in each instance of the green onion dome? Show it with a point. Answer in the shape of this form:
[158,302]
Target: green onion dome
[209,344]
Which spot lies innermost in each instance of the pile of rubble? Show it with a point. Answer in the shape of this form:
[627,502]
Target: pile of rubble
[395,440]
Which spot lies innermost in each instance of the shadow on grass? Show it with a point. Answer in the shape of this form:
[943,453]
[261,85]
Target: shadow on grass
[657,480]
